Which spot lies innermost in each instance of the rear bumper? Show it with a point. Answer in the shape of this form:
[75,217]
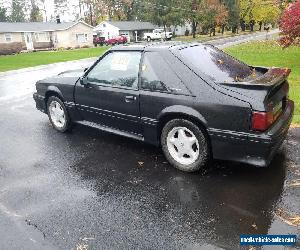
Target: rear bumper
[252,148]
[40,102]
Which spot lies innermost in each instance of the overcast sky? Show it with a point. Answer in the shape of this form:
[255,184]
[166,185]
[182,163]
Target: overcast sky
[49,7]
[49,4]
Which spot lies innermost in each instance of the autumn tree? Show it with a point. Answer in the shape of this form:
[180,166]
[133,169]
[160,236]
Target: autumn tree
[259,11]
[290,25]
[222,15]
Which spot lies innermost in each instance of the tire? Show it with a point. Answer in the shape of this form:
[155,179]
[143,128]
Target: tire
[192,144]
[60,119]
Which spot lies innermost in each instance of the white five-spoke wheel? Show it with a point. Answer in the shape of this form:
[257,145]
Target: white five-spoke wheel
[184,145]
[58,115]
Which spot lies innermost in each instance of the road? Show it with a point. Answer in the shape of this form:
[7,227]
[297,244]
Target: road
[93,190]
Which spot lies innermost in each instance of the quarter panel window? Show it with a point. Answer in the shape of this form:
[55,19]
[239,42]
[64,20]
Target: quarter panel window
[216,64]
[118,69]
[157,75]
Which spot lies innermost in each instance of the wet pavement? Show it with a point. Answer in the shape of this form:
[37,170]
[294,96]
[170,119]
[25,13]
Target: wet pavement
[92,190]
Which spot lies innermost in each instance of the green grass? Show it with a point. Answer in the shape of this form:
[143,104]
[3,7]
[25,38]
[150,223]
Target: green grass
[269,53]
[24,60]
[205,38]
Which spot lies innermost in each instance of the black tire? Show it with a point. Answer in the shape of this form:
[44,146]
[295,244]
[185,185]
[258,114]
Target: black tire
[203,157]
[68,124]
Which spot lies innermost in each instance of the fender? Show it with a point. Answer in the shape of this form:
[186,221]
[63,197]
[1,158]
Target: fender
[184,110]
[54,89]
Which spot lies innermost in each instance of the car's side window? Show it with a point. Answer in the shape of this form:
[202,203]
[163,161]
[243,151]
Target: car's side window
[156,75]
[149,79]
[119,69]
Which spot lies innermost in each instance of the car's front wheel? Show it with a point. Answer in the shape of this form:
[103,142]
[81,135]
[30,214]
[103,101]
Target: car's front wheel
[185,145]
[58,114]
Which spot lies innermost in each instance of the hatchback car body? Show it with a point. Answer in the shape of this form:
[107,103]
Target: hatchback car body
[194,100]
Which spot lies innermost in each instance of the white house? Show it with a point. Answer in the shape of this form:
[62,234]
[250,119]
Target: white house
[15,37]
[133,30]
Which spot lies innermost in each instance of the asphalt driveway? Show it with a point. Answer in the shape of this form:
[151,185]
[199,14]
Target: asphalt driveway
[93,190]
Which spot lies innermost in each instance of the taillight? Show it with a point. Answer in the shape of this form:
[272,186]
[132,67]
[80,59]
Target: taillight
[261,121]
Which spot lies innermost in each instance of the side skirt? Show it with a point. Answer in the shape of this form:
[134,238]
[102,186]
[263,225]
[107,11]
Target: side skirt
[111,130]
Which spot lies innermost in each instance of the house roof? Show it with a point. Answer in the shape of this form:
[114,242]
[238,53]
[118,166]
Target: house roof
[132,25]
[36,26]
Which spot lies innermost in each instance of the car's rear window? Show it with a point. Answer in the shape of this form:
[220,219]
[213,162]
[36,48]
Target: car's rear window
[216,64]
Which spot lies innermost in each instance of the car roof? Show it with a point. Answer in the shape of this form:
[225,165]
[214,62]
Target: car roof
[155,46]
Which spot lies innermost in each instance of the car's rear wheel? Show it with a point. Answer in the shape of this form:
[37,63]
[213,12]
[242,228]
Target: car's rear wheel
[58,114]
[184,145]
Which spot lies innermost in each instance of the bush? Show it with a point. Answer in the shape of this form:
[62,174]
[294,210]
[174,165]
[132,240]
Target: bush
[290,25]
[10,48]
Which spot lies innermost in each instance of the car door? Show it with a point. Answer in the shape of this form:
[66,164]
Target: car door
[110,95]
[160,88]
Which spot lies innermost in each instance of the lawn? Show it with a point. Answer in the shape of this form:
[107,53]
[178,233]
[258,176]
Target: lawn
[31,59]
[206,38]
[269,53]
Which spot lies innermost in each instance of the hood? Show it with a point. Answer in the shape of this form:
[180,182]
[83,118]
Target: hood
[72,73]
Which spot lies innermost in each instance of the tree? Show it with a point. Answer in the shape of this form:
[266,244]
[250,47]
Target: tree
[35,14]
[222,16]
[194,13]
[17,11]
[61,7]
[3,15]
[259,11]
[162,12]
[233,13]
[290,25]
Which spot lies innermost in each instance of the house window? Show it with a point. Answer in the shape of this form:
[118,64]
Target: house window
[42,37]
[8,37]
[81,38]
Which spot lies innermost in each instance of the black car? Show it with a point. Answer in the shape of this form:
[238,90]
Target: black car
[194,100]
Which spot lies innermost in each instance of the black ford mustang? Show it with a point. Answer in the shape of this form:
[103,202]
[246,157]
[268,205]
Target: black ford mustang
[194,100]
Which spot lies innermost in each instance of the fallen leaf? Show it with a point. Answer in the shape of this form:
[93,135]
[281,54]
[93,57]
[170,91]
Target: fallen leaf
[141,163]
[295,220]
[288,219]
[294,184]
[81,247]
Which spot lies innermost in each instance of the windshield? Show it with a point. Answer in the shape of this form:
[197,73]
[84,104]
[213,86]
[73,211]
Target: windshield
[217,64]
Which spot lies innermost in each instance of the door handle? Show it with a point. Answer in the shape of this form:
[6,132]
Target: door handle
[130,98]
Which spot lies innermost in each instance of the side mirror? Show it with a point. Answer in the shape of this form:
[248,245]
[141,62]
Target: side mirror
[83,81]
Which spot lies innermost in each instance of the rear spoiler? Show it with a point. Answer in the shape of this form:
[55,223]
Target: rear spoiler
[272,78]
